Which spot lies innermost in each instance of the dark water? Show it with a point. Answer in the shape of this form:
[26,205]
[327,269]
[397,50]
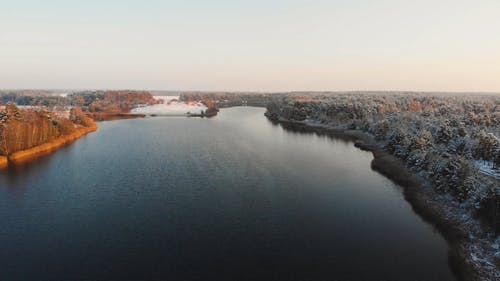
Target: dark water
[228,198]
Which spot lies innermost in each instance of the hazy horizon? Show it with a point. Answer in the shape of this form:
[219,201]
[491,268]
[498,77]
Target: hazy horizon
[252,46]
[159,92]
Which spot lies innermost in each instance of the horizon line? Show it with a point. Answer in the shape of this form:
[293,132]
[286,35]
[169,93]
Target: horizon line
[252,91]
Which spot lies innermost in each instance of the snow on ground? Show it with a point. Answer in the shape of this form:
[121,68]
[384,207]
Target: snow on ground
[28,106]
[170,106]
[486,167]
[166,98]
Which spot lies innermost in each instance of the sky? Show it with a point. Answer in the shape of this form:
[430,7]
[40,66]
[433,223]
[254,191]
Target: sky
[255,45]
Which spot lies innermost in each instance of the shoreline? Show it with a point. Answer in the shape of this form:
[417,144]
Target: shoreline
[114,116]
[34,152]
[4,162]
[469,243]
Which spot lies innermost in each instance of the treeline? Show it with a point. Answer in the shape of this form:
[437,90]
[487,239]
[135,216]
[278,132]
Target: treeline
[91,101]
[33,98]
[452,141]
[111,101]
[21,129]
[228,99]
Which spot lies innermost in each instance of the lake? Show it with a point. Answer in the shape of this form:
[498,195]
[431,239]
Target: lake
[233,197]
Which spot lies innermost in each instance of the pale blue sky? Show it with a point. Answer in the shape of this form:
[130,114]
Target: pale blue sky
[442,45]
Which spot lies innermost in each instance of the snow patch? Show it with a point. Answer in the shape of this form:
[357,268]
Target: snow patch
[170,106]
[487,168]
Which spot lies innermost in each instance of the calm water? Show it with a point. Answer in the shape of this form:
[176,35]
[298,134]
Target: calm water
[229,198]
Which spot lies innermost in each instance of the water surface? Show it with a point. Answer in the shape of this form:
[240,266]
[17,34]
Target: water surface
[229,198]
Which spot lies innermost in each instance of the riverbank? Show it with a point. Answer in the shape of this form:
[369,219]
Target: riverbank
[34,152]
[474,253]
[4,162]
[114,116]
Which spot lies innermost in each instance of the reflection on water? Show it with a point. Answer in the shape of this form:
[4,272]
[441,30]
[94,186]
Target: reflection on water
[17,176]
[228,198]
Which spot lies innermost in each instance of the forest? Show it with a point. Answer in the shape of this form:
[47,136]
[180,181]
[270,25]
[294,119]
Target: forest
[450,141]
[21,129]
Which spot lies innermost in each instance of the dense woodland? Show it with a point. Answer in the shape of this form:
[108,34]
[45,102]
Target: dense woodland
[22,129]
[450,141]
